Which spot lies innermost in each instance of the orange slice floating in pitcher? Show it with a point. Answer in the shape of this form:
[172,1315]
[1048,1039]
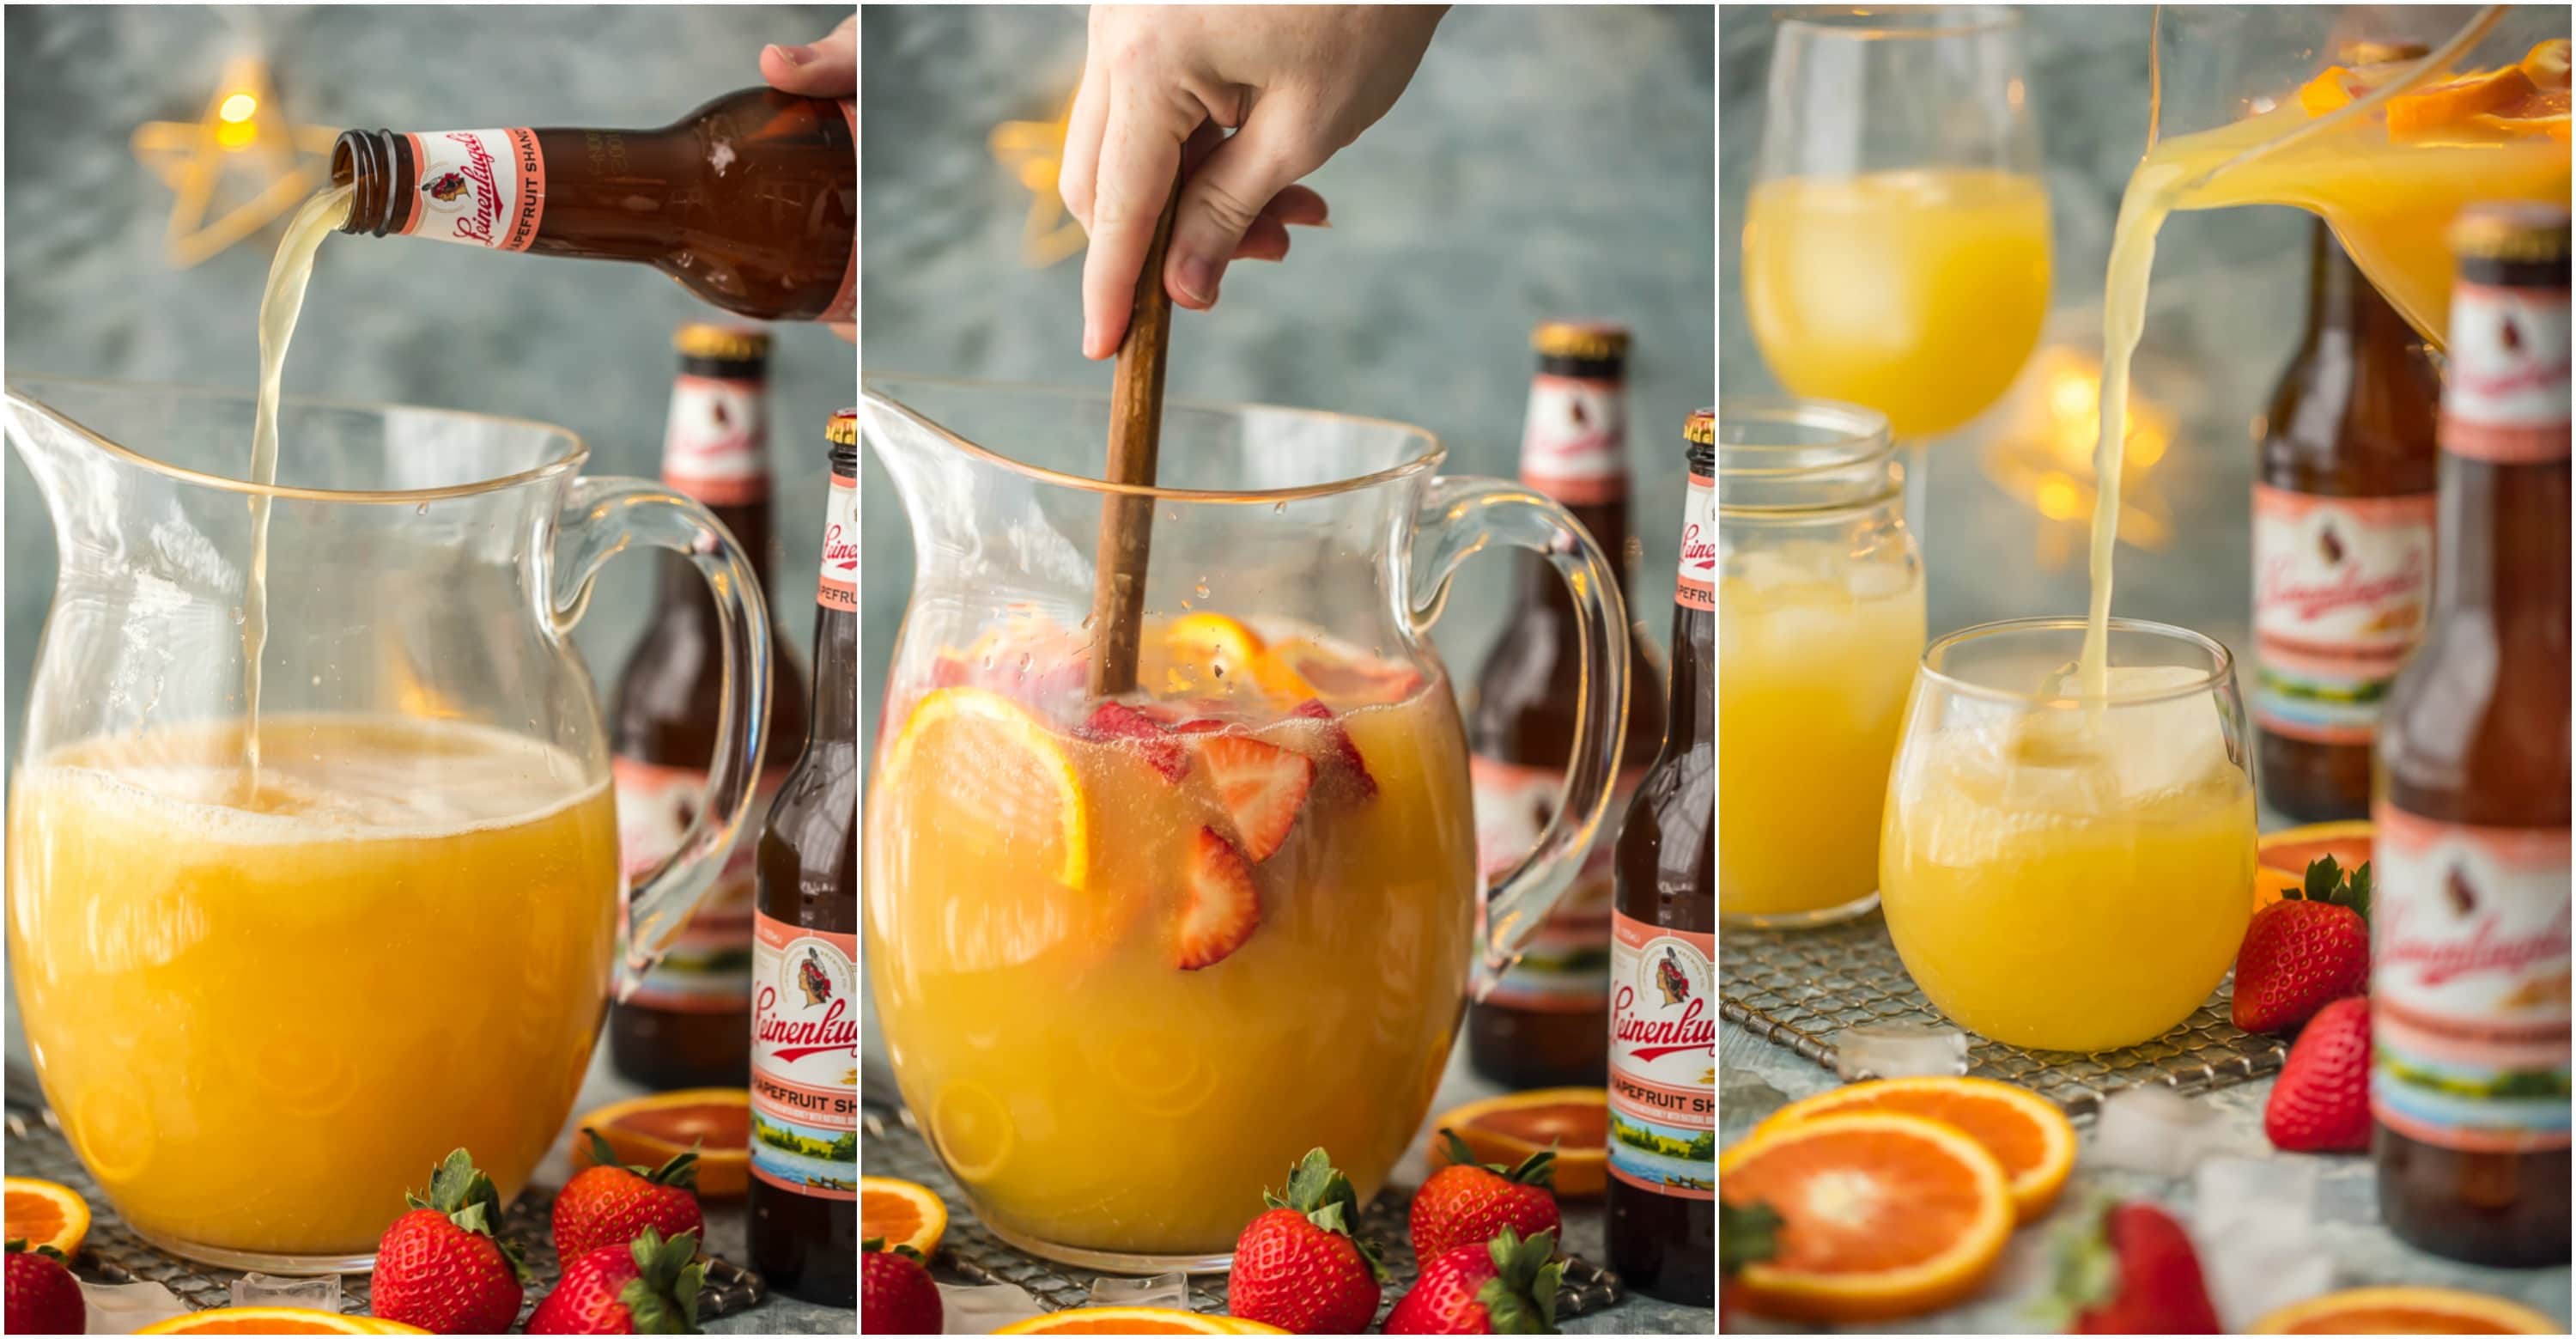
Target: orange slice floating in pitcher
[2546,66]
[2452,102]
[273,1320]
[652,1130]
[974,770]
[2406,1311]
[1214,653]
[2028,1134]
[44,1213]
[1507,1129]
[1130,1320]
[2328,92]
[1883,1215]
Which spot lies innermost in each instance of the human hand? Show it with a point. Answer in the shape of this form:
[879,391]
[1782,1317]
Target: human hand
[828,68]
[1161,84]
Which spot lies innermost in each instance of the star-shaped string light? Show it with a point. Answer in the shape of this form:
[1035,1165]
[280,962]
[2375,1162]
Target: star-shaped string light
[243,133]
[1034,152]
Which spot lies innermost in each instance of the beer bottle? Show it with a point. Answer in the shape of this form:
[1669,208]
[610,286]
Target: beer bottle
[1662,1189]
[2343,537]
[2469,914]
[805,1022]
[687,1023]
[1544,1023]
[751,201]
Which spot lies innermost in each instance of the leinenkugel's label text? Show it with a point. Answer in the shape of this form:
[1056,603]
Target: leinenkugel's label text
[1663,1059]
[1574,444]
[804,1059]
[715,447]
[840,580]
[2342,587]
[1697,588]
[479,187]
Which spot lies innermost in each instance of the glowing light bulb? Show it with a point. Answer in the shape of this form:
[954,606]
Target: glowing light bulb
[238,108]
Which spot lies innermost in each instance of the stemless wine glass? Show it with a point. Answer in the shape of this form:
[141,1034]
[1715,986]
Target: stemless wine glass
[1896,250]
[2065,871]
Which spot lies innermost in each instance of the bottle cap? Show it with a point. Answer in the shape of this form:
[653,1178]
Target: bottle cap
[843,429]
[2515,232]
[1587,341]
[1701,429]
[722,343]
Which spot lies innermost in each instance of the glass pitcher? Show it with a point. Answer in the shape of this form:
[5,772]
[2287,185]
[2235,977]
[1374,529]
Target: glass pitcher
[1135,956]
[263,1005]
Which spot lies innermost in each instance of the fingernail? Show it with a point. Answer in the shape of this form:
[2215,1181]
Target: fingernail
[794,55]
[1092,341]
[1198,279]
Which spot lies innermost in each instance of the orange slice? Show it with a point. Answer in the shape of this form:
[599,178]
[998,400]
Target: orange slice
[43,1213]
[1129,1320]
[978,770]
[2282,857]
[2328,92]
[652,1130]
[901,1213]
[2028,1135]
[1507,1129]
[271,1320]
[2452,102]
[1214,653]
[2406,1311]
[2542,113]
[2546,65]
[1883,1214]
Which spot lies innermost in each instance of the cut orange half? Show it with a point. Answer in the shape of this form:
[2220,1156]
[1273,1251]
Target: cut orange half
[2406,1311]
[271,1320]
[2028,1135]
[2451,102]
[1883,1215]
[1128,1320]
[901,1213]
[652,1130]
[1507,1129]
[2282,857]
[44,1213]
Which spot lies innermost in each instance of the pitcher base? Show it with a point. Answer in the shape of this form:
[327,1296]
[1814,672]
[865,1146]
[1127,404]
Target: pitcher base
[264,1262]
[1115,1262]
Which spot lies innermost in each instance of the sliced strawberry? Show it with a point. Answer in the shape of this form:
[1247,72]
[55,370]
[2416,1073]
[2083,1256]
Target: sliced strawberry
[1338,741]
[1198,726]
[1263,786]
[1222,907]
[1116,722]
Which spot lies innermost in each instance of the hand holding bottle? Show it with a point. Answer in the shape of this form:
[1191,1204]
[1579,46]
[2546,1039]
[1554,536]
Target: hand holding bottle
[828,68]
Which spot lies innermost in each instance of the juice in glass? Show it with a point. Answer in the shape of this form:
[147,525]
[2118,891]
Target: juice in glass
[263,1017]
[1134,958]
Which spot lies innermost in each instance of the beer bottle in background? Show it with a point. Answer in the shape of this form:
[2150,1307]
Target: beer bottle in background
[1544,1023]
[751,201]
[687,1021]
[2469,902]
[2343,537]
[805,1020]
[1662,1191]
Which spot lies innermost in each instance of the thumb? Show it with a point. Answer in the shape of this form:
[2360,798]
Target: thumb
[1228,192]
[828,68]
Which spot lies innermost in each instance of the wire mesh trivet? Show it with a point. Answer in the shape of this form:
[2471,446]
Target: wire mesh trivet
[889,1147]
[1799,987]
[111,1253]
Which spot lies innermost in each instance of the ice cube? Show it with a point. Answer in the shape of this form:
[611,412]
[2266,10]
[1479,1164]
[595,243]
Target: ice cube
[1899,1050]
[984,1309]
[321,1292]
[2151,1128]
[2153,748]
[1165,1290]
[124,1308]
[2254,1222]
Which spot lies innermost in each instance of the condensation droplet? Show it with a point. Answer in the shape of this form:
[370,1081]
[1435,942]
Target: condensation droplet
[1201,589]
[1278,508]
[421,510]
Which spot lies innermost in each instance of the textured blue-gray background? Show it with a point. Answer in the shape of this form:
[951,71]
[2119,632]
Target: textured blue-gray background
[579,343]
[2229,300]
[1545,161]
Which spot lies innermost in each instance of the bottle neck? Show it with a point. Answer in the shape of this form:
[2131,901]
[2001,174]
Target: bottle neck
[836,616]
[2343,306]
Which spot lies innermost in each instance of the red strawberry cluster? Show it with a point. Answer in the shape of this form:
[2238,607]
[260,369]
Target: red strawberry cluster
[2304,966]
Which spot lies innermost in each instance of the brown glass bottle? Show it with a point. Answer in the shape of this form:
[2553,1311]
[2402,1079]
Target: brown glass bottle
[2343,538]
[751,201]
[687,1023]
[2469,912]
[805,1018]
[1662,1192]
[1545,1022]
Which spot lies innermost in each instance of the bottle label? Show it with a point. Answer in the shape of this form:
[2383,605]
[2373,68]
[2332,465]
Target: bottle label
[1566,966]
[1697,588]
[1574,444]
[480,187]
[708,967]
[2469,984]
[1663,1059]
[840,584]
[2505,400]
[716,446]
[2342,587]
[804,1060]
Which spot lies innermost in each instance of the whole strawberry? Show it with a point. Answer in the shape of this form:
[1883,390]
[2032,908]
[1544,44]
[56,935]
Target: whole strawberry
[1503,1286]
[1466,1202]
[2132,1270]
[610,1205]
[43,1297]
[2321,1103]
[646,1286]
[2305,951]
[440,1267]
[896,1295]
[1297,1265]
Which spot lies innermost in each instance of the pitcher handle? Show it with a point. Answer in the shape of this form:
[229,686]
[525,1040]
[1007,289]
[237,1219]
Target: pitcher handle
[603,518]
[1460,517]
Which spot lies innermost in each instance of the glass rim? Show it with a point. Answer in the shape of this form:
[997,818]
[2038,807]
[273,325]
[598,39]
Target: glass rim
[1865,435]
[2222,669]
[1864,23]
[1428,459]
[575,454]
